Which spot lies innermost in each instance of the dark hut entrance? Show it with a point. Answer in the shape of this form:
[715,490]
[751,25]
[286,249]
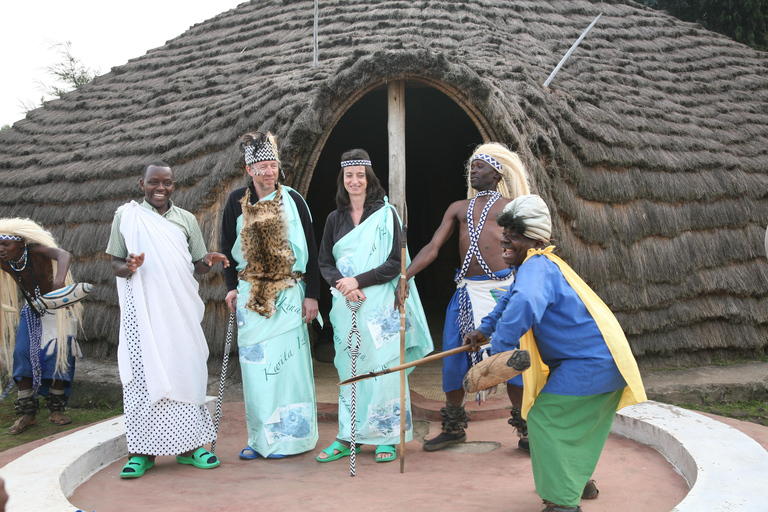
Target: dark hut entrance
[439,138]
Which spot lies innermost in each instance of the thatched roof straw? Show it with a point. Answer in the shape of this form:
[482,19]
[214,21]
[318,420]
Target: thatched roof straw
[650,146]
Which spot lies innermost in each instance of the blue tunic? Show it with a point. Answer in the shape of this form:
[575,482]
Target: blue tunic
[541,299]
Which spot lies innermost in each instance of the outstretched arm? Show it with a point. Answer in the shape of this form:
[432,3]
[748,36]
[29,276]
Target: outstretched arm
[429,252]
[203,266]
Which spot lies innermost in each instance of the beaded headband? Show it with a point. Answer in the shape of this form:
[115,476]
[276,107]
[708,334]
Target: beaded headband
[260,153]
[354,163]
[486,158]
[11,237]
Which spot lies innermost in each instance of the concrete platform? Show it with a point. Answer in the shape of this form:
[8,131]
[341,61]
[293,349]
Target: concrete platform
[657,452]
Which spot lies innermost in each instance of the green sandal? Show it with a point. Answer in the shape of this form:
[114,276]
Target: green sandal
[201,458]
[385,448]
[344,451]
[136,466]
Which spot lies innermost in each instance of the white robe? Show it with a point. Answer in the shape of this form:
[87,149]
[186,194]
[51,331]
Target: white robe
[168,309]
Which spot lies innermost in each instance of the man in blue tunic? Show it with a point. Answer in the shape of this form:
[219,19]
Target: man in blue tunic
[582,367]
[273,284]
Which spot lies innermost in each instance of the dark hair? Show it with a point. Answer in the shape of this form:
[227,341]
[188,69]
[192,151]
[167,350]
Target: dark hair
[157,163]
[510,221]
[374,190]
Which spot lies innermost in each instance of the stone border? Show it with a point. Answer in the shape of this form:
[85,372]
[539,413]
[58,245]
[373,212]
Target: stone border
[41,480]
[722,465]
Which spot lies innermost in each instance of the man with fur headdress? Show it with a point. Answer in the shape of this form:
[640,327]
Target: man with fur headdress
[495,175]
[44,344]
[273,284]
[582,367]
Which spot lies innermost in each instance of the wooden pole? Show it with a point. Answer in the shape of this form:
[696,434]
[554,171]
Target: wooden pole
[403,252]
[396,137]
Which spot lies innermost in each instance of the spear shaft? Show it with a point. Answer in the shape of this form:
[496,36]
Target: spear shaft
[433,357]
[403,252]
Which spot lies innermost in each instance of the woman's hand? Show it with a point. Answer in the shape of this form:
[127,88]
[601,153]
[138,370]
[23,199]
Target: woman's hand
[355,296]
[346,285]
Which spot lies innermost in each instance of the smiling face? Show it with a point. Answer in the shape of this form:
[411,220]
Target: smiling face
[515,247]
[264,176]
[10,250]
[483,176]
[158,186]
[355,182]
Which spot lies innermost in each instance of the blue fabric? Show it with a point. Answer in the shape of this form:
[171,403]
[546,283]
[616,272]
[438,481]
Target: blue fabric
[456,366]
[22,366]
[567,336]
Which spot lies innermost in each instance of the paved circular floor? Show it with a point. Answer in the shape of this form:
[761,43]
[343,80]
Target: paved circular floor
[631,478]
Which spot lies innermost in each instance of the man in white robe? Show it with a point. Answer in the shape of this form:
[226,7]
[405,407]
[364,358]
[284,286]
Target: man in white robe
[156,247]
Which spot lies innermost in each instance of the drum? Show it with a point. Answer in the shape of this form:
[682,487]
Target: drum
[496,370]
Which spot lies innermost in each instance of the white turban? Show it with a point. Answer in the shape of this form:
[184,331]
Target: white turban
[533,211]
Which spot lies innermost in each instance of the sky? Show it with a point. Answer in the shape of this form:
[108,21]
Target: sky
[103,35]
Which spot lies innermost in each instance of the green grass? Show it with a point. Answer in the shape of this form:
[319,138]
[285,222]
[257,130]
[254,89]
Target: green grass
[754,411]
[45,428]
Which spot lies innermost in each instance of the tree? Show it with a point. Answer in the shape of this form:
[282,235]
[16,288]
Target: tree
[745,21]
[68,74]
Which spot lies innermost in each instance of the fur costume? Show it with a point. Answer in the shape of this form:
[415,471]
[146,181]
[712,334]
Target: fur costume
[269,255]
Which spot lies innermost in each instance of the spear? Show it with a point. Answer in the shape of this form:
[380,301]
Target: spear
[403,252]
[224,361]
[433,357]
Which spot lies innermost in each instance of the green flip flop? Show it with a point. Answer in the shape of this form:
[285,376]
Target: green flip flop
[344,451]
[201,458]
[136,466]
[386,448]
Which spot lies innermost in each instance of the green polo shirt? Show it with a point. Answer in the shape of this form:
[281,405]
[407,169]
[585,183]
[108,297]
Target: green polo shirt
[179,217]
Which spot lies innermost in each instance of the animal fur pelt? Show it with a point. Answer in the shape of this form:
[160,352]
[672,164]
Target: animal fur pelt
[265,246]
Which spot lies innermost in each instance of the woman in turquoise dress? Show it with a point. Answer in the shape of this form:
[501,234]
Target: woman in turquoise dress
[360,260]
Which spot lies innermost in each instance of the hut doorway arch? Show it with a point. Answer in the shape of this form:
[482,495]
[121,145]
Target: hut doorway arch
[440,136]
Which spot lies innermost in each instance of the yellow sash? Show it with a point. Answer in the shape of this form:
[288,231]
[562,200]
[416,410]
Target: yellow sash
[535,378]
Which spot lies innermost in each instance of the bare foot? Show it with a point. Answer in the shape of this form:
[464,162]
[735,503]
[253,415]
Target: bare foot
[58,419]
[22,424]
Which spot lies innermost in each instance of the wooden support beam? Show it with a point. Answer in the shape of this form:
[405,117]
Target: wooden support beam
[396,137]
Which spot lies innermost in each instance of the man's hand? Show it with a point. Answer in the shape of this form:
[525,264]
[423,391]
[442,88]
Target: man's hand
[212,258]
[231,300]
[309,309]
[133,262]
[398,292]
[474,338]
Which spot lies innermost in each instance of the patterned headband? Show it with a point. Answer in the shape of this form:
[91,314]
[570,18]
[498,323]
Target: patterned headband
[11,237]
[354,163]
[260,153]
[486,158]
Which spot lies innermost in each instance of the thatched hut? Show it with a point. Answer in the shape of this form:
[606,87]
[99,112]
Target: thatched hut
[650,146]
